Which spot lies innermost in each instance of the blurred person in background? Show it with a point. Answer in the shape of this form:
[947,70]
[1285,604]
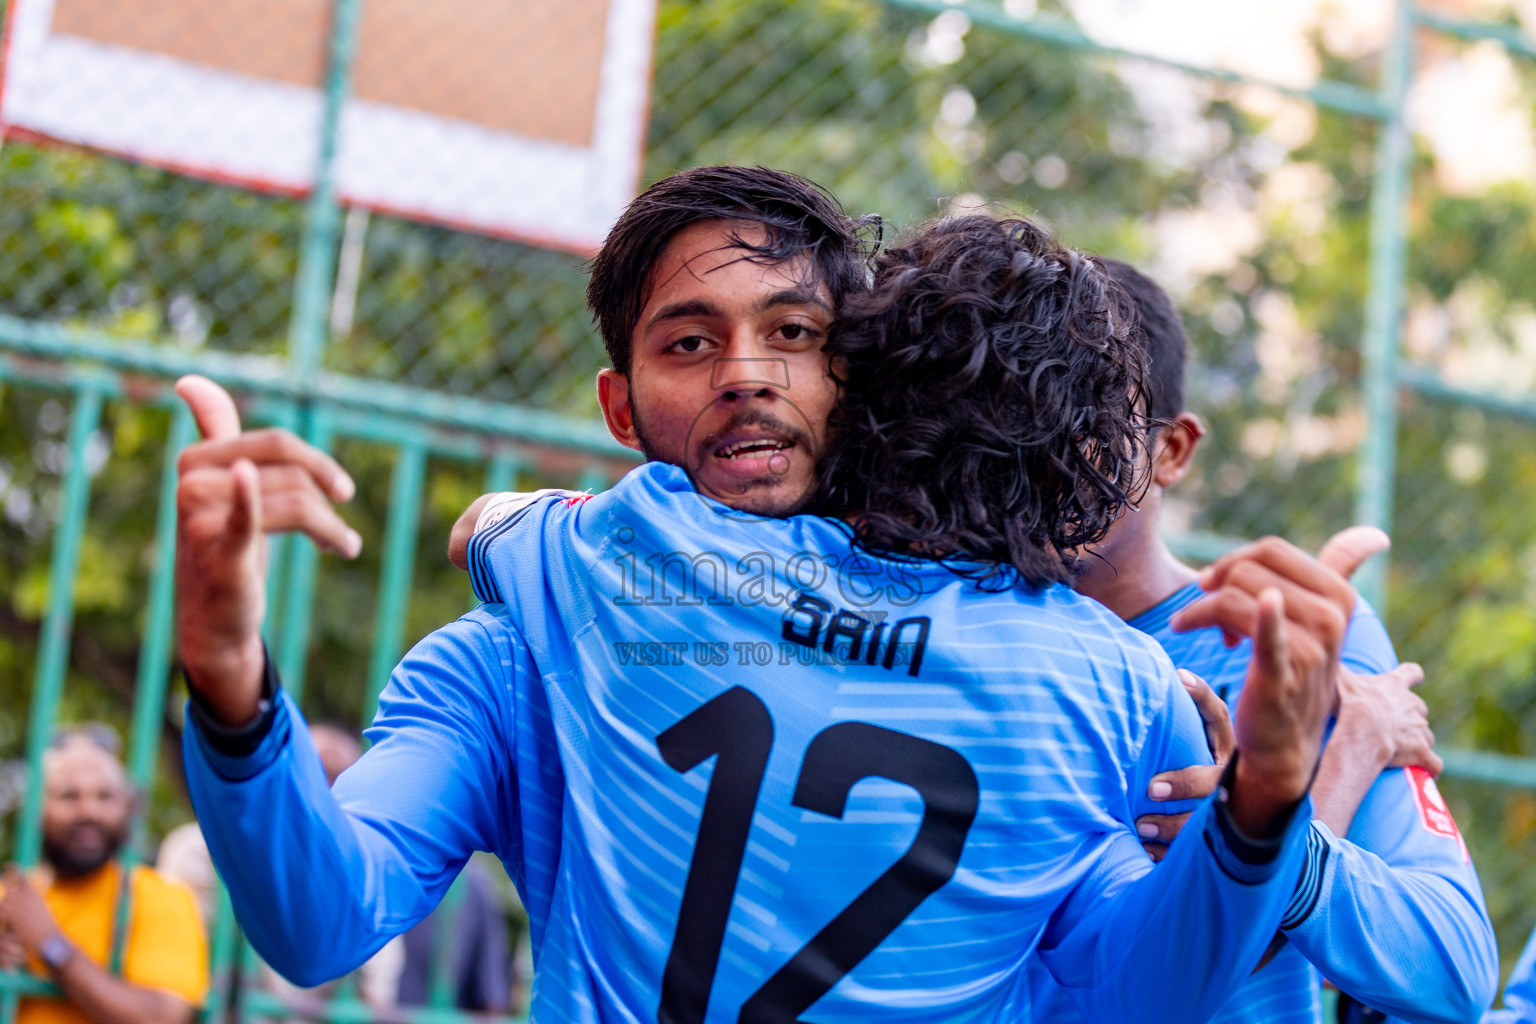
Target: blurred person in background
[61,920]
[466,936]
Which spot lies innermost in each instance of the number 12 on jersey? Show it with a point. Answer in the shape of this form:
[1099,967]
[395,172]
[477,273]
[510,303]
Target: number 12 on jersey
[736,729]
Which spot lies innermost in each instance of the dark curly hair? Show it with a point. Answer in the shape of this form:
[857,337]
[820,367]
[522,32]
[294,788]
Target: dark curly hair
[799,217]
[992,409]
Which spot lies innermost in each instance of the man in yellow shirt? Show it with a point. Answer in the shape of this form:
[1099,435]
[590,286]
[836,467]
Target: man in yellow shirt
[61,921]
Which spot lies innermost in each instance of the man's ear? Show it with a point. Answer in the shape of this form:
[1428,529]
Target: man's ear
[1176,444]
[618,412]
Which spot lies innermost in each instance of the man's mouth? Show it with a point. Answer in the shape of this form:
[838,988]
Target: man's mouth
[749,448]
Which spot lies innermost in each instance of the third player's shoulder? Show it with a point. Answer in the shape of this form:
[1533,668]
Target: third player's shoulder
[1099,632]
[641,495]
[1367,647]
[1125,666]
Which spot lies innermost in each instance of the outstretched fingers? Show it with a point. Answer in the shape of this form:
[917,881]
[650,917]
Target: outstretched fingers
[1284,565]
[272,448]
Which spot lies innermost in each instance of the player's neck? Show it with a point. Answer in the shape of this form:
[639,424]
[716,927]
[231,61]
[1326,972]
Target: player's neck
[1135,575]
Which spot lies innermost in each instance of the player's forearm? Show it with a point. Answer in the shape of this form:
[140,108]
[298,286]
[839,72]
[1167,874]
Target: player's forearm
[1367,912]
[1203,917]
[321,878]
[463,529]
[289,857]
[1351,763]
[107,999]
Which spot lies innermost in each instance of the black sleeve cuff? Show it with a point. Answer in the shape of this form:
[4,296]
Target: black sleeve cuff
[1309,888]
[239,741]
[1244,848]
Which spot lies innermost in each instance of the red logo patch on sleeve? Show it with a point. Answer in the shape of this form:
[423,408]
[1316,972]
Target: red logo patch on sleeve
[1433,814]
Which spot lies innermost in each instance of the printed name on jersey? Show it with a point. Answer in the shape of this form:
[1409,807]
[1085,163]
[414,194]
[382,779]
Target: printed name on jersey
[853,637]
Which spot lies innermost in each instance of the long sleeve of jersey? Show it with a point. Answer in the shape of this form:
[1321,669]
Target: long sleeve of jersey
[1395,913]
[321,878]
[1129,929]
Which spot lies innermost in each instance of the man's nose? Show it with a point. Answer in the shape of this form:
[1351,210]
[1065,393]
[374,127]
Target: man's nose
[757,374]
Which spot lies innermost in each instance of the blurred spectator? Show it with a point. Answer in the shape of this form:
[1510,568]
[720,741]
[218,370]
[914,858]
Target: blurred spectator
[473,924]
[62,921]
[184,857]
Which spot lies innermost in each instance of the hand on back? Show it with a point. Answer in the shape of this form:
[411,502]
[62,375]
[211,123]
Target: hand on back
[1386,718]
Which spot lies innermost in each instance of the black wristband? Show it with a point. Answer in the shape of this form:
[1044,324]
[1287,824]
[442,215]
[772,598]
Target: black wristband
[242,740]
[1243,847]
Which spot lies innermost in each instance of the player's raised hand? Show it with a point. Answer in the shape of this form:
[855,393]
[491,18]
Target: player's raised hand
[1309,585]
[1383,713]
[234,488]
[1291,686]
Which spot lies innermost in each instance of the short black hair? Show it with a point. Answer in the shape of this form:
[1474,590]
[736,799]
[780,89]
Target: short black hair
[1162,335]
[992,404]
[800,217]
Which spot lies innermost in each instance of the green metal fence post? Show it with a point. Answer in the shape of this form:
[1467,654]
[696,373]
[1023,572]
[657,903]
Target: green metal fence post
[58,621]
[222,943]
[299,583]
[1384,302]
[155,651]
[322,228]
[396,571]
[501,473]
[442,984]
[53,646]
[310,319]
[154,667]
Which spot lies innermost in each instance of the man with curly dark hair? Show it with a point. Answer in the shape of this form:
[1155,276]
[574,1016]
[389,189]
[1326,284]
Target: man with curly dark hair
[636,636]
[991,402]
[1389,870]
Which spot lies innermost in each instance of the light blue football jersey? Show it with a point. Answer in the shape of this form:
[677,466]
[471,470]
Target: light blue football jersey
[813,782]
[1393,914]
[743,771]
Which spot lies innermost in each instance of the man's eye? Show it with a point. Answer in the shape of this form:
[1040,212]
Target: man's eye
[692,343]
[794,332]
